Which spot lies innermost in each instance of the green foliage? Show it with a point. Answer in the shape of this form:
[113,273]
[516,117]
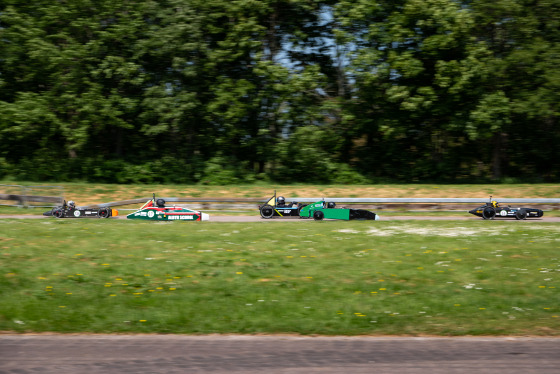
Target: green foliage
[222,170]
[407,90]
[309,155]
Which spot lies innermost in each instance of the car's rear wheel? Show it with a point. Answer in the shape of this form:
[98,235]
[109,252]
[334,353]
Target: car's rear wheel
[267,211]
[103,213]
[521,214]
[318,215]
[488,213]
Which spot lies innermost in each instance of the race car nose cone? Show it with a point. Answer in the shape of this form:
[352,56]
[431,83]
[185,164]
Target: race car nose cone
[377,218]
[204,217]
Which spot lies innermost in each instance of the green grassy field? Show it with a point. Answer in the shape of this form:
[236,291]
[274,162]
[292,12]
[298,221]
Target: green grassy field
[304,277]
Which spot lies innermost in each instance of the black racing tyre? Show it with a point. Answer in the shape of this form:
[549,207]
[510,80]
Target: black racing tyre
[267,211]
[160,203]
[489,213]
[318,215]
[103,213]
[521,214]
[58,213]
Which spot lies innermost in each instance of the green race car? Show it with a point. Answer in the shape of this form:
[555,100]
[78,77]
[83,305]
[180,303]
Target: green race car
[155,210]
[322,209]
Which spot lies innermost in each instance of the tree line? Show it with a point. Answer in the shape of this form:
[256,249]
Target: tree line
[235,91]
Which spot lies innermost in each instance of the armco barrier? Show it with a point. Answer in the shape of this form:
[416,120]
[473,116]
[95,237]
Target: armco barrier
[25,196]
[348,200]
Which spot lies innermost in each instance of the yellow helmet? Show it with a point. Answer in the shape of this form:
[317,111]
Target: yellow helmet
[495,204]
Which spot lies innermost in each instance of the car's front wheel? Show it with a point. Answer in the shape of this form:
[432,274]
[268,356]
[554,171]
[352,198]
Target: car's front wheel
[318,215]
[488,213]
[267,211]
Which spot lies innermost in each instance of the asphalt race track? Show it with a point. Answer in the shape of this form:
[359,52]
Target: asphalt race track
[170,354]
[257,218]
[382,218]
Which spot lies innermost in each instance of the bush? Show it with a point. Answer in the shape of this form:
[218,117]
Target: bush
[222,170]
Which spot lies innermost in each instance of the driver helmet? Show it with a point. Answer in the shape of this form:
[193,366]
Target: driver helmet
[280,200]
[71,204]
[495,204]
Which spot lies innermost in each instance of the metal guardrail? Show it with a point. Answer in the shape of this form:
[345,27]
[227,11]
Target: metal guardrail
[350,200]
[24,198]
[25,195]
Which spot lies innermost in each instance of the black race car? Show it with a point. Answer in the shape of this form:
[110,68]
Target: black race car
[278,207]
[493,210]
[69,210]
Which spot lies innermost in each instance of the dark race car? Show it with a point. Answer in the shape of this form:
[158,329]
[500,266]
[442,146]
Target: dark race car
[69,210]
[493,210]
[278,207]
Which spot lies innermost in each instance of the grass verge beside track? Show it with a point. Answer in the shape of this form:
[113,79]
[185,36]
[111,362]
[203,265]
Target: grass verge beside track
[339,278]
[86,194]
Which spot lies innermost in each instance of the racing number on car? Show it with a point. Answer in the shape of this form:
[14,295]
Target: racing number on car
[76,213]
[503,213]
[151,214]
